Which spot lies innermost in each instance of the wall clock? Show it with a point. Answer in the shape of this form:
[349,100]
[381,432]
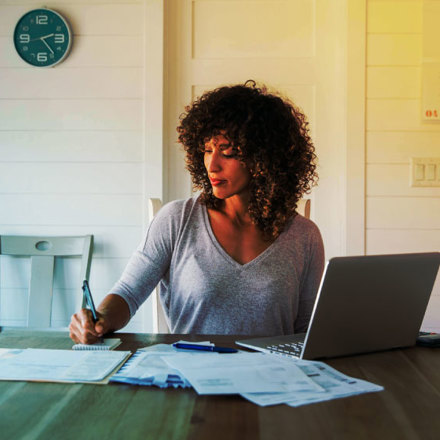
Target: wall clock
[42,37]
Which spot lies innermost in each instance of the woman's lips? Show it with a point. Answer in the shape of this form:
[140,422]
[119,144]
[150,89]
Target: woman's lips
[216,182]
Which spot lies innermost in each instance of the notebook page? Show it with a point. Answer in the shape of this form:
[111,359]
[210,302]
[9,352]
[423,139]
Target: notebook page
[106,344]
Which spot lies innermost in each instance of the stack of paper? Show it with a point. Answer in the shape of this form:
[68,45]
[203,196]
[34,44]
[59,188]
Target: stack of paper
[264,379]
[238,373]
[148,367]
[334,384]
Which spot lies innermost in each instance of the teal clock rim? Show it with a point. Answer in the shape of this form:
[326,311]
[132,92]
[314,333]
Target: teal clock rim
[69,32]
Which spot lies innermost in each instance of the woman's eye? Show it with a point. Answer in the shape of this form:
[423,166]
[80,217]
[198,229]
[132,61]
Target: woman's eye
[228,152]
[231,155]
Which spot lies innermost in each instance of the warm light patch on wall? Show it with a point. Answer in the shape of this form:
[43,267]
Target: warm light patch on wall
[431,62]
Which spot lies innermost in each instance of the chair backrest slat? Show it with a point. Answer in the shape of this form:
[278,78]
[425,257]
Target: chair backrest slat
[40,305]
[160,324]
[303,207]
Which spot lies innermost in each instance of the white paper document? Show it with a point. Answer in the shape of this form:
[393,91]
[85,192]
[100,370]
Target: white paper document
[334,383]
[214,373]
[47,365]
[148,367]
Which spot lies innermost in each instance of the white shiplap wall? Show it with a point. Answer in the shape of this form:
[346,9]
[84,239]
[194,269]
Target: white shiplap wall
[399,218]
[72,147]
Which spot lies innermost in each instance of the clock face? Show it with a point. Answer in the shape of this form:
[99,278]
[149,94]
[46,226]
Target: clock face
[42,37]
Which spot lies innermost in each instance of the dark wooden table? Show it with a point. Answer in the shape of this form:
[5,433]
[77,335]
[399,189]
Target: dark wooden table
[409,408]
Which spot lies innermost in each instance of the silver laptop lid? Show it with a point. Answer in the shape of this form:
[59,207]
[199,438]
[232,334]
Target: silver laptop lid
[364,304]
[370,303]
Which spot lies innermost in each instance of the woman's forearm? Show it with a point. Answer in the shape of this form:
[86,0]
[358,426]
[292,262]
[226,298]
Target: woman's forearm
[115,311]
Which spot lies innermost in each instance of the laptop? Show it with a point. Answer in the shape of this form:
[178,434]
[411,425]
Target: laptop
[364,304]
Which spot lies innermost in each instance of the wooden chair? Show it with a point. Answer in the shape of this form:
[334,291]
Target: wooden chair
[42,252]
[303,207]
[160,324]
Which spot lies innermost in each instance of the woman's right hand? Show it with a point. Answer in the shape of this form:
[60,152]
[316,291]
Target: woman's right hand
[84,331]
[113,314]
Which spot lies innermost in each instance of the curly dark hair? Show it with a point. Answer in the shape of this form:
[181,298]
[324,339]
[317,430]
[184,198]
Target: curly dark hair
[270,135]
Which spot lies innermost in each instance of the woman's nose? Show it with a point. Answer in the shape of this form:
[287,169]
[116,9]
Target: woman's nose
[213,162]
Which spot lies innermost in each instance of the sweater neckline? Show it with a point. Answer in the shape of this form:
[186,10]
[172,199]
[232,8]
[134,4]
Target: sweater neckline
[262,256]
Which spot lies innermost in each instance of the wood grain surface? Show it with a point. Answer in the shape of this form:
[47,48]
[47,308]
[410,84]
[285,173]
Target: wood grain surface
[407,409]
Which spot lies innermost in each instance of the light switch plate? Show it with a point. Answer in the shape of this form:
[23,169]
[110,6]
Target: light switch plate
[425,171]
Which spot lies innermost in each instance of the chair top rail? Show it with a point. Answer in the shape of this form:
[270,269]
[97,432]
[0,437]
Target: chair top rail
[42,245]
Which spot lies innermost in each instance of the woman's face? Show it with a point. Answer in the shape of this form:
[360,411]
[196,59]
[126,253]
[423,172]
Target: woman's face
[228,175]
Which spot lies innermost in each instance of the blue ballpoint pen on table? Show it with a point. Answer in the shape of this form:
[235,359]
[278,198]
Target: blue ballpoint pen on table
[205,348]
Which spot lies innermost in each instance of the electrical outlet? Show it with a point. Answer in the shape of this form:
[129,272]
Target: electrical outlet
[425,171]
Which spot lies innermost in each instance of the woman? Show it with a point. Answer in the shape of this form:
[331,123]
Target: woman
[236,259]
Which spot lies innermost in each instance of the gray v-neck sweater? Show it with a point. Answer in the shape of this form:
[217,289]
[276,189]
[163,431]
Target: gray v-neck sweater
[205,291]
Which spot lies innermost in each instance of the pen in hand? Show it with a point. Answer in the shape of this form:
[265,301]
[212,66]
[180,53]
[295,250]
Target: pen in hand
[89,300]
[205,348]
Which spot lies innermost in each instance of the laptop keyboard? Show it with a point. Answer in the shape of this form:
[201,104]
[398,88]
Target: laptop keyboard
[289,349]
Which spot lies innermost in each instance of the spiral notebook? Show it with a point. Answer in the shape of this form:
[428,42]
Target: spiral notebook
[106,344]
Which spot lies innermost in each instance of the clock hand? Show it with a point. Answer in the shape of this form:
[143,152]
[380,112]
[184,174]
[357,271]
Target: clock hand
[42,38]
[46,36]
[44,41]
